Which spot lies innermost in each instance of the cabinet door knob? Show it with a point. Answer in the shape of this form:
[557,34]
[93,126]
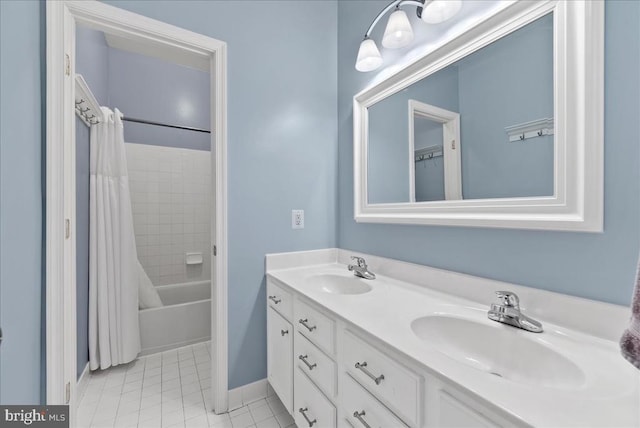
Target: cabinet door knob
[304,414]
[363,368]
[359,417]
[283,332]
[275,300]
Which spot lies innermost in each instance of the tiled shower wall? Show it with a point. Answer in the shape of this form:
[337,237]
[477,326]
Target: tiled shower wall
[171,199]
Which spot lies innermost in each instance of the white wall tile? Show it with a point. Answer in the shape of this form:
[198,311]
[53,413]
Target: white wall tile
[171,197]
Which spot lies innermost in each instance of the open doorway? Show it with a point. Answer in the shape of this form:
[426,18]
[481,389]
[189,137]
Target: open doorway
[178,208]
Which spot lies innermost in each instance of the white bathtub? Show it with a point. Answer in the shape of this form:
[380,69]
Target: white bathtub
[184,319]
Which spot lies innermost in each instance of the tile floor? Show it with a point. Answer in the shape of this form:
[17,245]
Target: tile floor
[165,390]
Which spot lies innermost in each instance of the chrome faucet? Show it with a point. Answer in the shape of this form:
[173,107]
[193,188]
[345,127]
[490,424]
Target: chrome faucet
[508,312]
[360,268]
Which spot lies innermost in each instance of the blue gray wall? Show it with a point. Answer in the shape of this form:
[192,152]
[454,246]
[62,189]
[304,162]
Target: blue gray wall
[282,80]
[92,61]
[146,88]
[504,84]
[152,89]
[597,266]
[92,55]
[21,202]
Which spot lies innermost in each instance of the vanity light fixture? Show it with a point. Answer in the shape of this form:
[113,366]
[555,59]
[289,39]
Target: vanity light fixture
[398,32]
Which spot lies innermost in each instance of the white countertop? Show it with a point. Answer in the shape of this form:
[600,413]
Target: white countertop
[608,397]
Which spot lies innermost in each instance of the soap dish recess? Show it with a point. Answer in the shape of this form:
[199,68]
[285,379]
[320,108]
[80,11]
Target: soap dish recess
[193,258]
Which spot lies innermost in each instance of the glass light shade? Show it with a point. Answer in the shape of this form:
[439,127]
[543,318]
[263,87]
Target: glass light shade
[398,33]
[439,11]
[369,57]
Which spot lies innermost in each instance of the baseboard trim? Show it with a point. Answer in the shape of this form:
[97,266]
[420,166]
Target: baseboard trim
[249,393]
[83,382]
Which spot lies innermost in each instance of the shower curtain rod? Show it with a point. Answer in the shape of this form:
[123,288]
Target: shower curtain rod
[150,122]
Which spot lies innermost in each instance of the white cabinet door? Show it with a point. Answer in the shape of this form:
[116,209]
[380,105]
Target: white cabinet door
[280,357]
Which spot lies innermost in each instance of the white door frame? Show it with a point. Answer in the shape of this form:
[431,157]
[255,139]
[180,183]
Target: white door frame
[451,147]
[62,17]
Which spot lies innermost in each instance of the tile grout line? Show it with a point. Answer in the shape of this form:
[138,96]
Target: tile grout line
[180,377]
[144,369]
[93,413]
[186,362]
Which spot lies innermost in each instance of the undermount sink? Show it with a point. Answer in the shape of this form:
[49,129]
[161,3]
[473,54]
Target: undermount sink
[338,284]
[499,350]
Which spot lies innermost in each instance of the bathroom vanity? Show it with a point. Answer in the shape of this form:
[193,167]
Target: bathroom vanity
[414,347]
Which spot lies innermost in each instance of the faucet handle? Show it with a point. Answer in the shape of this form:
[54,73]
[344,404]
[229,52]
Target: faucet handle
[359,261]
[509,298]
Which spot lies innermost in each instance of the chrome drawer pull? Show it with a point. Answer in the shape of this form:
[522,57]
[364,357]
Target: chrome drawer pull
[303,411]
[359,416]
[275,300]
[283,332]
[363,366]
[303,358]
[304,323]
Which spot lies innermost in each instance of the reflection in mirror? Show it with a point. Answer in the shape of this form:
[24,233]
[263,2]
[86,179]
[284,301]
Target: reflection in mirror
[434,147]
[502,98]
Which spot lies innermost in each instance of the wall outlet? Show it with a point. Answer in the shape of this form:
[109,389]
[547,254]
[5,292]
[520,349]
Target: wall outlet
[297,219]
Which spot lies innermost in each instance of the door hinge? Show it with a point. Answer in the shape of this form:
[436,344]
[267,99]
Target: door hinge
[215,250]
[67,393]
[453,144]
[67,228]
[67,66]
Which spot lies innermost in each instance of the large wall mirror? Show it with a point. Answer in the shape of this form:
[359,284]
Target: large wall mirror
[499,127]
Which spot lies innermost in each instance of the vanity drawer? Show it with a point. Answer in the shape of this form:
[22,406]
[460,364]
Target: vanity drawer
[315,363]
[394,384]
[315,326]
[311,405]
[370,412]
[279,299]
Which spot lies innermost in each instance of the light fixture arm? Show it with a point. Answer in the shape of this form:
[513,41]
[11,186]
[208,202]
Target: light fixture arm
[396,4]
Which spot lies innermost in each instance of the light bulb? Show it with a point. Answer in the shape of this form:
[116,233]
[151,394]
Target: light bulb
[398,33]
[369,57]
[438,11]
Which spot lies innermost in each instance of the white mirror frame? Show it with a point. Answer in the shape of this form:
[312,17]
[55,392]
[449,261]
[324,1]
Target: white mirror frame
[577,203]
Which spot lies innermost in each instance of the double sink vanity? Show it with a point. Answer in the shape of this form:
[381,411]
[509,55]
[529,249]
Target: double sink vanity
[414,346]
[505,115]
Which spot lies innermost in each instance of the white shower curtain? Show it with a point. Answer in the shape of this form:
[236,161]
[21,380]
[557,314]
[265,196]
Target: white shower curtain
[114,334]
